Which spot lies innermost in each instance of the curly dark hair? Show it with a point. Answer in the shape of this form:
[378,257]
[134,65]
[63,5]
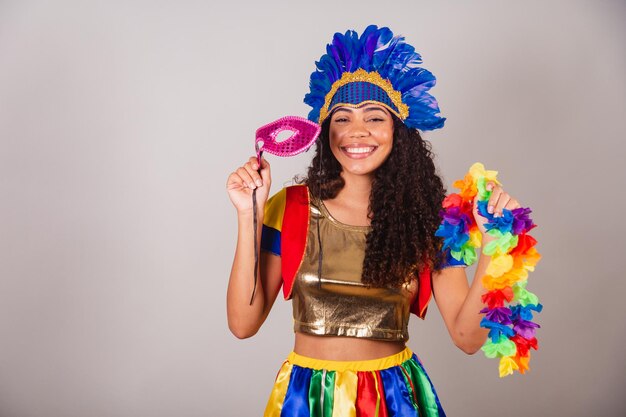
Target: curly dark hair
[404,206]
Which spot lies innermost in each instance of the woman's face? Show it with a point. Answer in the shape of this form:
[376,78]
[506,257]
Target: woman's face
[361,139]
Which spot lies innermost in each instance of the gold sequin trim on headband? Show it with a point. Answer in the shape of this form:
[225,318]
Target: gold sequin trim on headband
[370,77]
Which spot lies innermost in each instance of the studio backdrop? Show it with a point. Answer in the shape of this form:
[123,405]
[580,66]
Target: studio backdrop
[120,122]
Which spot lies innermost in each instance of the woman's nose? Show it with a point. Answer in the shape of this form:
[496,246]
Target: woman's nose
[358,129]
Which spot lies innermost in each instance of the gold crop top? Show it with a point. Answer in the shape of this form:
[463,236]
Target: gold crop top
[342,305]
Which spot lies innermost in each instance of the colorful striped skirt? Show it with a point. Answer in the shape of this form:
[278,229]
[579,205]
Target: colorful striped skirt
[393,386]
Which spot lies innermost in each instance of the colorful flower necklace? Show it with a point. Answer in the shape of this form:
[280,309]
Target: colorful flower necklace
[511,329]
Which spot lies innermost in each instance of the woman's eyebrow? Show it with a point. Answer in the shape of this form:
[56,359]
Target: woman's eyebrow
[343,109]
[372,108]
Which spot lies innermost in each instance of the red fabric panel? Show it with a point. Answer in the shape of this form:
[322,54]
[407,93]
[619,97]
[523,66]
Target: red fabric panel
[366,396]
[424,293]
[294,234]
[382,412]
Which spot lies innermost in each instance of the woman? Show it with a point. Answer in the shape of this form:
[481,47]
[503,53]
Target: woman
[366,253]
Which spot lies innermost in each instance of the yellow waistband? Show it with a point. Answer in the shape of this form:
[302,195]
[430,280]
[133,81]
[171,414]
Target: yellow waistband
[367,365]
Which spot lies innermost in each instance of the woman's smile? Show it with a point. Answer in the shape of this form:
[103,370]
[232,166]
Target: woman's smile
[358,150]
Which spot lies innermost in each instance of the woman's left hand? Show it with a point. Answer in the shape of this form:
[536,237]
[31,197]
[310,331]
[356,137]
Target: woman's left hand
[498,200]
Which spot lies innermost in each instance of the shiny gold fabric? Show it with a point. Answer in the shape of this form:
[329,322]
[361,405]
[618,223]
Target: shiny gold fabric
[342,305]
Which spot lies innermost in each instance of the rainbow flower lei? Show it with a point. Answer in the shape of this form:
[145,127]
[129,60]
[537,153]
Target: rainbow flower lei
[511,329]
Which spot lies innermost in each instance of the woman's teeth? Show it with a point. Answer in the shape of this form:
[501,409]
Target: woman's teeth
[359,150]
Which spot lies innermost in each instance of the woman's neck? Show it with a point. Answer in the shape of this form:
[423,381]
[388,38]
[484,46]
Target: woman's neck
[356,190]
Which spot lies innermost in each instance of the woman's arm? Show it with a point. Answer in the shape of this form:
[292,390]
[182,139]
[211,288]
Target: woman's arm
[245,319]
[460,303]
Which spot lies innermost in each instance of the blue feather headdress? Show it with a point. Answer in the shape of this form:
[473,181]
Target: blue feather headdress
[375,67]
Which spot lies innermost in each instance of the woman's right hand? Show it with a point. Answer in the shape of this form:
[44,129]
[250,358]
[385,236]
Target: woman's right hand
[244,180]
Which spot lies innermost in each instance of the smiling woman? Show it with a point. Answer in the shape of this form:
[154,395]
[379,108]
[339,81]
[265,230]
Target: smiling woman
[353,243]
[361,139]
[384,189]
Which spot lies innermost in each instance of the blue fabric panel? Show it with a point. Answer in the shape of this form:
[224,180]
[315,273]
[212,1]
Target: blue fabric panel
[297,398]
[397,395]
[448,260]
[270,240]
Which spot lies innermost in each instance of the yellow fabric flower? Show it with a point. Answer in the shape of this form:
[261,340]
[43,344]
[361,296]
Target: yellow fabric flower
[498,283]
[477,170]
[499,264]
[475,238]
[507,366]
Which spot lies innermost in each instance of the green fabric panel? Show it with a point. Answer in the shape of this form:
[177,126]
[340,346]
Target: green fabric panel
[329,393]
[425,396]
[315,389]
[321,393]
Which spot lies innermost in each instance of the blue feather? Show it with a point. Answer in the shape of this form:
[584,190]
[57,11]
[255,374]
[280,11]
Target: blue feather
[377,49]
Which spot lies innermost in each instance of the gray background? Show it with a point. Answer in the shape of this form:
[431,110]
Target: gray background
[120,121]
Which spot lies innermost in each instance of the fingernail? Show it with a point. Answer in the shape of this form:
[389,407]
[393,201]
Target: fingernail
[255,166]
[251,185]
[490,209]
[259,183]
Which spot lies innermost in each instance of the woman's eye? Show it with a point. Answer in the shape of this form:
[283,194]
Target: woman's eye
[341,119]
[377,119]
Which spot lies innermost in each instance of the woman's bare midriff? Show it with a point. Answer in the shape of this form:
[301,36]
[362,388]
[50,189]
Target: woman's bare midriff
[341,348]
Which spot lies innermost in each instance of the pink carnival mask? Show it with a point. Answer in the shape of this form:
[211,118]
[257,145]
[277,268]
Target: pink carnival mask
[304,133]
